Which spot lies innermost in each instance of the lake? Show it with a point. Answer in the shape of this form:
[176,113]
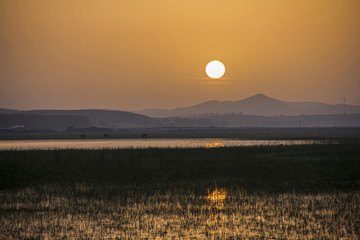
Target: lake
[145,143]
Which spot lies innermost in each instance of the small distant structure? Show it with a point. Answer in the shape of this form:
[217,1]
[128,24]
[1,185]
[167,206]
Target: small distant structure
[106,135]
[18,128]
[144,136]
[82,136]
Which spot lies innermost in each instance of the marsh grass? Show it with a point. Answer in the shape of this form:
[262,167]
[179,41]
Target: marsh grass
[277,192]
[53,212]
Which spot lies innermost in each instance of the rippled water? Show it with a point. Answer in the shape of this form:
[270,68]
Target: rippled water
[144,143]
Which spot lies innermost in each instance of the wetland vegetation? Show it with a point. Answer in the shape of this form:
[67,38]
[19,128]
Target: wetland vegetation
[278,192]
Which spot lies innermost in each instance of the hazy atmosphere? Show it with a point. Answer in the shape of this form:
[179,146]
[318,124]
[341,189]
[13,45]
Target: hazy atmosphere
[131,55]
[169,119]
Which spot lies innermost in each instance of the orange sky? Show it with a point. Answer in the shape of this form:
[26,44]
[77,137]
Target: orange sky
[135,54]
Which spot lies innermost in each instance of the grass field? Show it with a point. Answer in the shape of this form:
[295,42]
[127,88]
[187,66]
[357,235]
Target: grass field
[271,192]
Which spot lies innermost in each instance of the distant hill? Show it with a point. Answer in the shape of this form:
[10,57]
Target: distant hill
[259,104]
[106,118]
[256,111]
[36,121]
[8,111]
[61,119]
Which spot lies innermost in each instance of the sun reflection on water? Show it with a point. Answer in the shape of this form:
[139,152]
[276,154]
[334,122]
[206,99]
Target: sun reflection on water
[217,197]
[215,145]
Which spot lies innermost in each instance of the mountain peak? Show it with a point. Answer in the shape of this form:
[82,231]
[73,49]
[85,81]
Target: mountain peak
[258,104]
[260,96]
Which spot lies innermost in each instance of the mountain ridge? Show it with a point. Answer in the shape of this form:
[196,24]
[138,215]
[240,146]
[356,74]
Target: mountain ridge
[95,117]
[258,104]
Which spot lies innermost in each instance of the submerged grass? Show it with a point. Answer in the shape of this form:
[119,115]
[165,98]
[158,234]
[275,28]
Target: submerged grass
[55,213]
[278,192]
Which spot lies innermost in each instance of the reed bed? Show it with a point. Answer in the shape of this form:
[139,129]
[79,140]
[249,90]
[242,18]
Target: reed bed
[274,192]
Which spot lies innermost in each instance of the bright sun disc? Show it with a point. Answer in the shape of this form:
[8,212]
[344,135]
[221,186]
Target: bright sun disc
[215,69]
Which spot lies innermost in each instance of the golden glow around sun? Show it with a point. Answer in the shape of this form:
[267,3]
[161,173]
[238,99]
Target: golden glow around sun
[215,69]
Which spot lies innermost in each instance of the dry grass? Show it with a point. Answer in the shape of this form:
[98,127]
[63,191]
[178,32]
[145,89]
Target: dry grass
[87,212]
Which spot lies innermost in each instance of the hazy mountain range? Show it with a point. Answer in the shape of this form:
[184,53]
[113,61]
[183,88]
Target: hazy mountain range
[61,119]
[259,104]
[256,111]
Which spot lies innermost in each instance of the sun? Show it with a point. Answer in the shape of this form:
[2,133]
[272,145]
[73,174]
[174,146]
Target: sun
[215,69]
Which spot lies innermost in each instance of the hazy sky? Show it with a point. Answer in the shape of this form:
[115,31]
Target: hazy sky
[135,54]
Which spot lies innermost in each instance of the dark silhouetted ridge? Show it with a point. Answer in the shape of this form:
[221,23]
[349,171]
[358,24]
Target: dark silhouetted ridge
[259,104]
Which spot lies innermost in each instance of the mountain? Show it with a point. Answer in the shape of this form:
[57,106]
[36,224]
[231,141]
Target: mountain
[37,121]
[255,111]
[258,104]
[8,111]
[106,118]
[61,119]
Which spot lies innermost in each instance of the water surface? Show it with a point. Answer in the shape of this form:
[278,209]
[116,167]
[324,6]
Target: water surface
[144,143]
